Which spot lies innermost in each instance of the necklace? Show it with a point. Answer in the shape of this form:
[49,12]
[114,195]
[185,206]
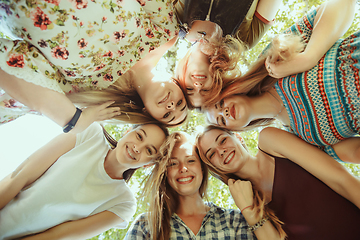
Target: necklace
[282,105]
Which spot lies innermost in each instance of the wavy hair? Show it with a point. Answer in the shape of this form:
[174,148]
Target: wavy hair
[257,80]
[162,198]
[224,54]
[259,198]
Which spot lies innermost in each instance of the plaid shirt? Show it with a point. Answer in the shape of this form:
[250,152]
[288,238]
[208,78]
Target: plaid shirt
[219,223]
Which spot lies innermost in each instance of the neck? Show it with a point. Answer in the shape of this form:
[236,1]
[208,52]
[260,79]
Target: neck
[267,105]
[112,167]
[191,205]
[259,170]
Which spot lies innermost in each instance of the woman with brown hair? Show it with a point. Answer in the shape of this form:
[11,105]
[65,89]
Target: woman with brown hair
[320,102]
[177,210]
[75,187]
[312,194]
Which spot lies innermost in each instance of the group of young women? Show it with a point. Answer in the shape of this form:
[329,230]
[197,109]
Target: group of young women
[57,53]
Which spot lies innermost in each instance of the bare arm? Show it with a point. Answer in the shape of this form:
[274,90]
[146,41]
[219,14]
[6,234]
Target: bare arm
[318,163]
[242,193]
[33,167]
[52,104]
[268,8]
[80,229]
[332,20]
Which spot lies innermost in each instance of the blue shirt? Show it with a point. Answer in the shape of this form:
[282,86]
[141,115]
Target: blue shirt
[219,223]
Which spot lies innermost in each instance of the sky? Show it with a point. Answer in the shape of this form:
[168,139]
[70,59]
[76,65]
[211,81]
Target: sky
[21,137]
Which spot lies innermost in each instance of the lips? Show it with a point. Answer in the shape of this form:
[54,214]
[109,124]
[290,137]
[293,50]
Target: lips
[131,155]
[165,98]
[232,111]
[185,180]
[229,157]
[198,77]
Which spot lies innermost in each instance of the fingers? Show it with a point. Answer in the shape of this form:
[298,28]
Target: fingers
[106,104]
[108,113]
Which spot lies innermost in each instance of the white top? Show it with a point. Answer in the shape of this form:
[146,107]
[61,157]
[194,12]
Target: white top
[74,187]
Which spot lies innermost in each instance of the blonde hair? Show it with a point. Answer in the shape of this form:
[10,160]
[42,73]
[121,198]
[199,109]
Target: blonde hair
[123,92]
[224,54]
[162,199]
[259,198]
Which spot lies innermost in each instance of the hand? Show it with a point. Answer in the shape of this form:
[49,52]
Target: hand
[95,113]
[299,62]
[242,193]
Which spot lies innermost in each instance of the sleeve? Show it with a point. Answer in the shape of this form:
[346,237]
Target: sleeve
[241,226]
[93,131]
[126,209]
[330,150]
[252,29]
[139,229]
[23,60]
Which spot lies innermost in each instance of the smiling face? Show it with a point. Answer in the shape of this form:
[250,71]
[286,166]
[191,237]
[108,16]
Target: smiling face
[184,173]
[165,102]
[231,113]
[138,147]
[197,77]
[224,151]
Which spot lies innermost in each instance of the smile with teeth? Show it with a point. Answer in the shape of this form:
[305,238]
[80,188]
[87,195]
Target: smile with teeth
[185,179]
[130,153]
[229,158]
[199,76]
[165,98]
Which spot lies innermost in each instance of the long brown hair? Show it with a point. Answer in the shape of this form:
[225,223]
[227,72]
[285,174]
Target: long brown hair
[123,92]
[162,199]
[259,198]
[257,80]
[113,143]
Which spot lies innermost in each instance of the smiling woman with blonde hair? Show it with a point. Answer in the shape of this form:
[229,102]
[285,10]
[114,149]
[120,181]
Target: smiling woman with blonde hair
[175,194]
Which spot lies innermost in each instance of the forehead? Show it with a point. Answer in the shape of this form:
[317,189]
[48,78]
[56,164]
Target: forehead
[151,131]
[211,115]
[183,148]
[180,115]
[210,137]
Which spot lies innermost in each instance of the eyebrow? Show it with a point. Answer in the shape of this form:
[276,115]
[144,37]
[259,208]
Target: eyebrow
[216,139]
[217,121]
[143,132]
[183,108]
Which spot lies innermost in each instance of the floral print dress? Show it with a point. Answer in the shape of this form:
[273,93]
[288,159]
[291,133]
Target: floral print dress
[69,45]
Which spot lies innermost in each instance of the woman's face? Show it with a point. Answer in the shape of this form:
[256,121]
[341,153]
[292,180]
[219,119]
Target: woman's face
[184,172]
[165,102]
[197,77]
[231,113]
[138,147]
[224,151]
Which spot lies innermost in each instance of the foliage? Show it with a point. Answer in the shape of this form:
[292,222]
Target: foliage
[219,192]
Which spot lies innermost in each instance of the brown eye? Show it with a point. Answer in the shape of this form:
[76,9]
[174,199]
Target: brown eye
[221,104]
[166,115]
[179,103]
[223,121]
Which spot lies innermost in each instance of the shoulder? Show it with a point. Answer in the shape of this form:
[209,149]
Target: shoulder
[94,131]
[139,228]
[220,213]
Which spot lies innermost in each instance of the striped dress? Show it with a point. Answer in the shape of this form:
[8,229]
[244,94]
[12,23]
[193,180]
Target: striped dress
[323,103]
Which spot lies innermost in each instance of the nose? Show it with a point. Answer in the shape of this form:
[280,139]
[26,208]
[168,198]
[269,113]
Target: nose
[136,149]
[221,151]
[183,168]
[198,86]
[170,105]
[226,112]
